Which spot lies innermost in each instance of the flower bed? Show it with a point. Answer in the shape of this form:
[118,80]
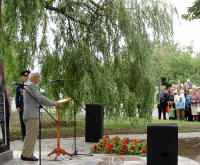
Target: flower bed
[120,146]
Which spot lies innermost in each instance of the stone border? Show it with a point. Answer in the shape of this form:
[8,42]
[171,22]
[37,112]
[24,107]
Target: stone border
[6,156]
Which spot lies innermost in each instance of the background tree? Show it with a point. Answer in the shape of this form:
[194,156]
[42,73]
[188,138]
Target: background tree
[193,11]
[174,63]
[100,49]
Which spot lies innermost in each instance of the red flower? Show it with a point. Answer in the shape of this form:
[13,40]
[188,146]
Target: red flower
[132,147]
[109,145]
[122,149]
[144,151]
[95,147]
[103,144]
[135,140]
[127,140]
[112,145]
[109,148]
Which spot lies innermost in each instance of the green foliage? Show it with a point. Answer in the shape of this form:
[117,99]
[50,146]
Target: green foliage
[18,33]
[175,64]
[101,50]
[193,11]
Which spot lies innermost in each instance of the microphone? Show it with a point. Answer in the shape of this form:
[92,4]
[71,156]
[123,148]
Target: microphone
[53,81]
[16,83]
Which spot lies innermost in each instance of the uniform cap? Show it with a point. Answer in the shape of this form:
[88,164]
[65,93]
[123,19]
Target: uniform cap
[25,72]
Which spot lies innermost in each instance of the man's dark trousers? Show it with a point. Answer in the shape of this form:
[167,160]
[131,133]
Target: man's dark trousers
[163,107]
[23,127]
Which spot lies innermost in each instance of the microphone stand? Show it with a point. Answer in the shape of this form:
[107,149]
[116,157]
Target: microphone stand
[40,107]
[75,153]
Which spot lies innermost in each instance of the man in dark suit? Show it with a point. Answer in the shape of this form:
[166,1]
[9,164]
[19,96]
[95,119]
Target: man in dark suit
[163,103]
[20,103]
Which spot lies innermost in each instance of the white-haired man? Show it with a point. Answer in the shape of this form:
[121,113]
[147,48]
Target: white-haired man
[31,115]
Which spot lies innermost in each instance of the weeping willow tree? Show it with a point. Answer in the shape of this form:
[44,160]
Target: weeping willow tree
[193,12]
[99,48]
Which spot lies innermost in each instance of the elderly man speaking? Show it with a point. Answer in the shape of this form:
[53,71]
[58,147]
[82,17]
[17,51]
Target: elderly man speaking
[31,115]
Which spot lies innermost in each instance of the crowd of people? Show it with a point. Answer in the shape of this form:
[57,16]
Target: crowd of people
[181,101]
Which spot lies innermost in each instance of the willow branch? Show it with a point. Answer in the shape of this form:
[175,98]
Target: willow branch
[62,11]
[96,4]
[70,31]
[84,6]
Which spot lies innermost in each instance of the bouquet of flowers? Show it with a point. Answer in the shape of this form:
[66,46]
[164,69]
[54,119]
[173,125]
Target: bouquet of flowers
[120,146]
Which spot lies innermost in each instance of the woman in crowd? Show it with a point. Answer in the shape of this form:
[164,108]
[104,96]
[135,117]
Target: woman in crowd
[186,88]
[171,102]
[179,85]
[175,89]
[188,113]
[195,100]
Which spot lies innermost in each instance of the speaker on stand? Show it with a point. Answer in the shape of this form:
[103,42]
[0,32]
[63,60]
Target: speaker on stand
[162,144]
[94,122]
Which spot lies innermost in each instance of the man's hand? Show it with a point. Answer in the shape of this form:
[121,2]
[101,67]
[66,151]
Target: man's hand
[18,109]
[56,103]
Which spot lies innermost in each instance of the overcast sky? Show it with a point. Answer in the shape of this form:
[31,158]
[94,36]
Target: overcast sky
[186,32]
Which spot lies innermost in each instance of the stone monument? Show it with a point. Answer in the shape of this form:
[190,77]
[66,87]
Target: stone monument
[5,153]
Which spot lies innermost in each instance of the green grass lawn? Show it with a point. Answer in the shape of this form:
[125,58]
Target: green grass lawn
[180,123]
[127,124]
[184,126]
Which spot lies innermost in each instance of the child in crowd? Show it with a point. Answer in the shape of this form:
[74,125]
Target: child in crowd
[180,109]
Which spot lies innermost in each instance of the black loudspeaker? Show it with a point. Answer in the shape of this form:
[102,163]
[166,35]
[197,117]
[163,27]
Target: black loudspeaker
[94,122]
[162,144]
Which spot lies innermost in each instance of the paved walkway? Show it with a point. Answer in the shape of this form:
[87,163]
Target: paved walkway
[84,148]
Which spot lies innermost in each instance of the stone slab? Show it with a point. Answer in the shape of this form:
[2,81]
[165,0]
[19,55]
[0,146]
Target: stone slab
[6,156]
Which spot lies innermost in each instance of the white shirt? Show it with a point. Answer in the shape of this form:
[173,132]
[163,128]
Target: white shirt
[177,98]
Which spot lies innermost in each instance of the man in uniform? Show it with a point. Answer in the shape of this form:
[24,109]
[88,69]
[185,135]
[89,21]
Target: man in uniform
[20,103]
